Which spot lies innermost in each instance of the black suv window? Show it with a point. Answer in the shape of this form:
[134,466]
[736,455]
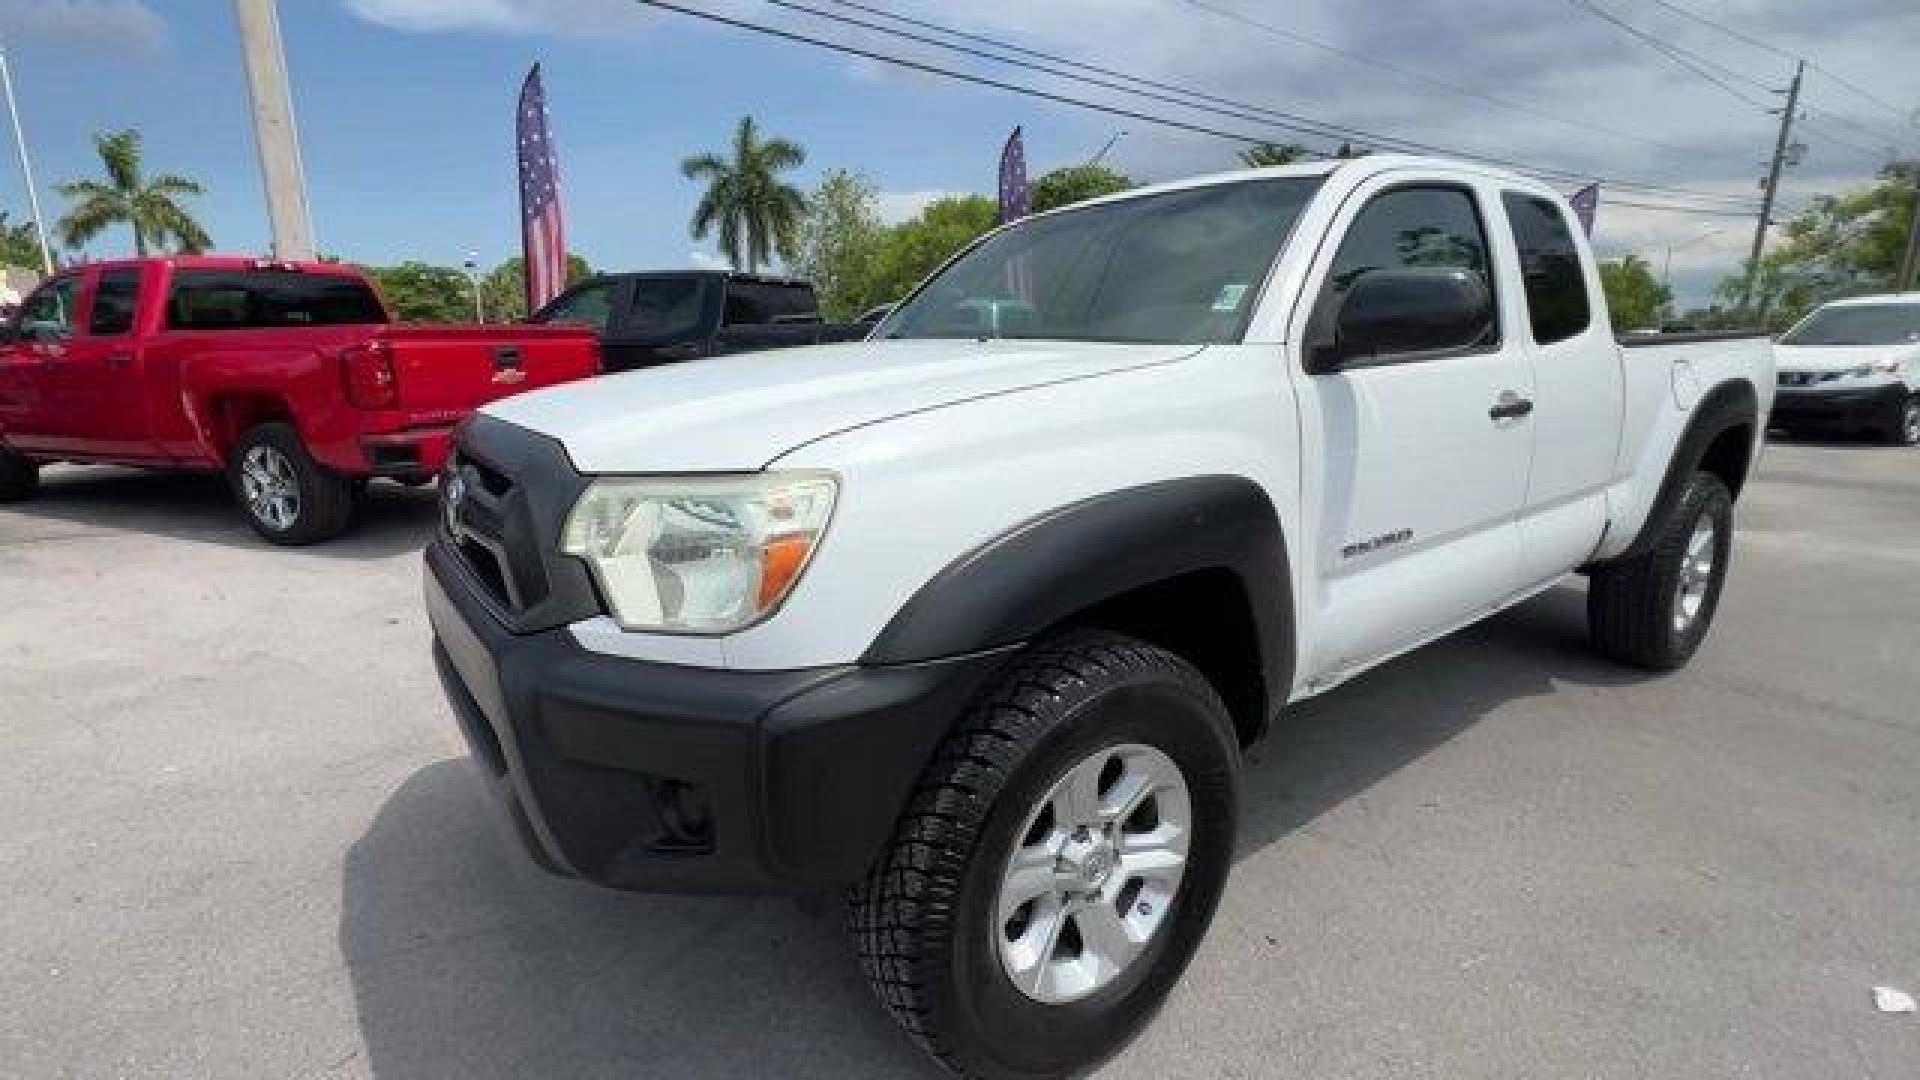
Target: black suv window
[113,301]
[591,303]
[751,303]
[1424,227]
[48,313]
[236,299]
[664,307]
[1557,302]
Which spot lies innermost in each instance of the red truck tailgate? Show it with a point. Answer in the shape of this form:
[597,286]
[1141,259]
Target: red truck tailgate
[464,367]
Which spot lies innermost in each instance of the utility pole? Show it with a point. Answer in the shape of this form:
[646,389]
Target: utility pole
[1773,184]
[26,169]
[1910,263]
[273,130]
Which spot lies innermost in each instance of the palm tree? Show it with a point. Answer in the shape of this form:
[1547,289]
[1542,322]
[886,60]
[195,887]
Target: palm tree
[757,215]
[1263,155]
[150,207]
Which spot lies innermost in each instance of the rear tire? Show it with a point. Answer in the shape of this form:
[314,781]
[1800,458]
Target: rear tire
[19,477]
[1070,731]
[288,497]
[1903,427]
[1653,611]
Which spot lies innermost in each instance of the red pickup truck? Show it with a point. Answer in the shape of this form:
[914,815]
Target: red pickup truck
[288,376]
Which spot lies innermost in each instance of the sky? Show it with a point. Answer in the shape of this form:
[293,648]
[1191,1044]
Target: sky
[405,107]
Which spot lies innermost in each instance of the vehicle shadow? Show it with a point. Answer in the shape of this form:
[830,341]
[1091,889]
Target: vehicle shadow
[467,961]
[390,520]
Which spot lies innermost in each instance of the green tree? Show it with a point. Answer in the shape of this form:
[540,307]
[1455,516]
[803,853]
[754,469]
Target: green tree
[1076,183]
[1266,154]
[838,240]
[757,216]
[421,292]
[151,208]
[1635,299]
[19,244]
[503,289]
[905,254]
[1840,245]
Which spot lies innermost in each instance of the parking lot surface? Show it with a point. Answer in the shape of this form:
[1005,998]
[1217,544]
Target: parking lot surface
[241,839]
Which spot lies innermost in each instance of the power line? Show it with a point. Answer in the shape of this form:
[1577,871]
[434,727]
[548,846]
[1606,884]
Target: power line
[1743,36]
[1421,76]
[1692,61]
[1240,110]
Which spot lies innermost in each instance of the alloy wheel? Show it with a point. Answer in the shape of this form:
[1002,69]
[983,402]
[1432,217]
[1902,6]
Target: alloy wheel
[271,488]
[1096,870]
[1696,574]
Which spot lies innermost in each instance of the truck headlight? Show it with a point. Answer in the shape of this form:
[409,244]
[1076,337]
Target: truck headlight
[699,554]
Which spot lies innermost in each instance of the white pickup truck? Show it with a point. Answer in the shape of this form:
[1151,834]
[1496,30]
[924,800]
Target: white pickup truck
[974,618]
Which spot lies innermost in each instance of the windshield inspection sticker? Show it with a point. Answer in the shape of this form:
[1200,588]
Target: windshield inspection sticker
[1230,294]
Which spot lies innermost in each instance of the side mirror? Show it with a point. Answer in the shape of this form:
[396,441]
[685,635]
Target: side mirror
[1404,312]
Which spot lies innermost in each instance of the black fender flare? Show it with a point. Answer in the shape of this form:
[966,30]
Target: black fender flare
[1726,406]
[1044,571]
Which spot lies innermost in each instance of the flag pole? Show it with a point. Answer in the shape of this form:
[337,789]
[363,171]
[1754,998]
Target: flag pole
[26,167]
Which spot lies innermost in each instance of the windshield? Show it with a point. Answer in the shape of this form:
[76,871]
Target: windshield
[1858,324]
[1181,267]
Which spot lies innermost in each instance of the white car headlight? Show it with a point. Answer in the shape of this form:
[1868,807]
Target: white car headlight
[699,554]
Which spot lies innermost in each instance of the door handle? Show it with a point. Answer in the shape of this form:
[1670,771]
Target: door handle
[1510,406]
[119,361]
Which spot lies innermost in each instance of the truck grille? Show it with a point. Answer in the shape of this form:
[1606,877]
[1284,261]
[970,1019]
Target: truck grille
[503,505]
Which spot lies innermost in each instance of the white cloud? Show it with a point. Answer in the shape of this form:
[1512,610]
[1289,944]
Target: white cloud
[895,207]
[707,260]
[111,25]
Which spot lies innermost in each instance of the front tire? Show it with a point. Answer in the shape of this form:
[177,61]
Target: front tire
[1059,861]
[1903,427]
[288,497]
[1653,611]
[19,477]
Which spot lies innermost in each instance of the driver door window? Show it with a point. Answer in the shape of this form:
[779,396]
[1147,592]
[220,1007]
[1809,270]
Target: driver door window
[591,304]
[48,313]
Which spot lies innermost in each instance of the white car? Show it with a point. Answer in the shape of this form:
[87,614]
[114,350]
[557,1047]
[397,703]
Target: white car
[1854,365]
[974,618]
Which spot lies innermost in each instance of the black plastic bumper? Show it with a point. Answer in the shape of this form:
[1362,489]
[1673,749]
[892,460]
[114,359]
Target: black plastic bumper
[1866,407]
[666,778]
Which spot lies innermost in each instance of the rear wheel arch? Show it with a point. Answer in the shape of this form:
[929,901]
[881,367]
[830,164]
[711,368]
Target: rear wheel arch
[1197,565]
[229,415]
[1719,438]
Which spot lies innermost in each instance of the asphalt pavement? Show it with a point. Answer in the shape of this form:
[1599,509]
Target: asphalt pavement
[241,840]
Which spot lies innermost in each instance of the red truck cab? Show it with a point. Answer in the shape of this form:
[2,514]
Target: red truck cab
[291,377]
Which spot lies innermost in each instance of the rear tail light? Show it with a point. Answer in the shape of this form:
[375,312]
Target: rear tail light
[369,374]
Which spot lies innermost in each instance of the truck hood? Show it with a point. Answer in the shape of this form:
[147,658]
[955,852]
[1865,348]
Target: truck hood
[737,413]
[1838,357]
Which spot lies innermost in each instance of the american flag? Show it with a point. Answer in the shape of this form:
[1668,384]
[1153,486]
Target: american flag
[542,231]
[1586,202]
[1015,196]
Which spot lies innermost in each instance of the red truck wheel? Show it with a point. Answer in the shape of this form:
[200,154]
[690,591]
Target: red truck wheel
[288,497]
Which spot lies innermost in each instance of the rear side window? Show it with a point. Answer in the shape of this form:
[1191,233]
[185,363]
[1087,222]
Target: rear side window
[754,302]
[237,299]
[1550,262]
[113,302]
[664,307]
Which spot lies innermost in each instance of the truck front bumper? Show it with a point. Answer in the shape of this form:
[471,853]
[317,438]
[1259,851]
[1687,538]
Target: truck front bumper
[1857,407]
[665,778]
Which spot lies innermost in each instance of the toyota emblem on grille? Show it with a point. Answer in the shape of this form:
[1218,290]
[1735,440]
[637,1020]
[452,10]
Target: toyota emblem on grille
[450,499]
